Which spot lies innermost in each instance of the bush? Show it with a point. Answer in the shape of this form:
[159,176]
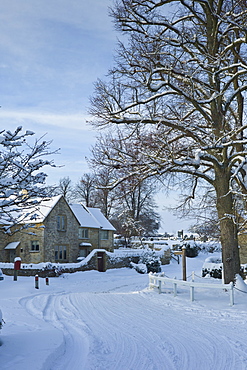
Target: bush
[148,262]
[152,261]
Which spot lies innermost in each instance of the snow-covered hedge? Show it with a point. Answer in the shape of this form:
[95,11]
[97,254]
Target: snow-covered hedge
[213,267]
[149,261]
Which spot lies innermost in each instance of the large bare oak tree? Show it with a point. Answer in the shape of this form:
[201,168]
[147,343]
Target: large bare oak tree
[180,79]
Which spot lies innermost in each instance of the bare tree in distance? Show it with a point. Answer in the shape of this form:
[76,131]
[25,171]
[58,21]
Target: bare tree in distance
[65,188]
[180,79]
[106,196]
[84,190]
[94,190]
[132,203]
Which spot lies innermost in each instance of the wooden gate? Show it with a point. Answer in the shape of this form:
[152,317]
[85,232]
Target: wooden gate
[101,261]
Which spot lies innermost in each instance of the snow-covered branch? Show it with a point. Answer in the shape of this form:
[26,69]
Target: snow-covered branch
[21,181]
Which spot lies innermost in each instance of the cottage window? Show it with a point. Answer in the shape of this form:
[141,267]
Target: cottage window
[60,252]
[61,223]
[104,234]
[35,245]
[83,233]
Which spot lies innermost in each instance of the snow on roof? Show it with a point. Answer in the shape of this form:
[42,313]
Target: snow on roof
[104,223]
[12,245]
[91,217]
[39,212]
[85,245]
[84,217]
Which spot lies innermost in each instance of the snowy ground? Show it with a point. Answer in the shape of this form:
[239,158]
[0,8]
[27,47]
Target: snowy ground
[111,321]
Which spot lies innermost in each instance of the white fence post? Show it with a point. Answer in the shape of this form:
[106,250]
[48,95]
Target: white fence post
[156,281]
[160,282]
[175,288]
[192,293]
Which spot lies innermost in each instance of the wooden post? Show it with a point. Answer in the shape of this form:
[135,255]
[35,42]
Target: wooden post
[15,275]
[36,281]
[184,262]
[17,266]
[47,281]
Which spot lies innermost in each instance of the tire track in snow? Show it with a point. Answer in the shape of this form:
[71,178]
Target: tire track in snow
[109,331]
[120,336]
[56,310]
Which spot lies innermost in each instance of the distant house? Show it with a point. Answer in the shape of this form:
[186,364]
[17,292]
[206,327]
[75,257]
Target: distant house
[95,230]
[58,232]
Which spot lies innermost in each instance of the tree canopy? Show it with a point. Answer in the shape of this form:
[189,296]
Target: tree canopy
[21,177]
[180,81]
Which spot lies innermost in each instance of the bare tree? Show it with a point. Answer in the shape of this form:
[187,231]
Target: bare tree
[105,194]
[22,183]
[181,80]
[84,190]
[130,200]
[65,188]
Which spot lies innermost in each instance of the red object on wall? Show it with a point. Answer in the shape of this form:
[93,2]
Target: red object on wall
[17,265]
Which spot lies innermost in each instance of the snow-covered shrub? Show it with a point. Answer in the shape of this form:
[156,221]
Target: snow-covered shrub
[212,267]
[240,284]
[210,247]
[192,249]
[139,267]
[151,260]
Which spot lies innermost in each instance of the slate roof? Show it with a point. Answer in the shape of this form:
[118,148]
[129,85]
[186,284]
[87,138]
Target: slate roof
[91,217]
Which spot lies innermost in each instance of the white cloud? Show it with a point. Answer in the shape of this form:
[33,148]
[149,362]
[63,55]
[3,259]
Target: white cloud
[72,121]
[51,53]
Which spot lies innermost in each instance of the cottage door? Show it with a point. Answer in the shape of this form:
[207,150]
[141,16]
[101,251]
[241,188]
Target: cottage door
[12,255]
[101,261]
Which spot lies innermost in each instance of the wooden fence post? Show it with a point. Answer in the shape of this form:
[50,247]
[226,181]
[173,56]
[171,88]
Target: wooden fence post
[184,262]
[36,281]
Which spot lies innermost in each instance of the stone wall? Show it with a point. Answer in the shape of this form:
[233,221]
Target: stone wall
[112,261]
[3,243]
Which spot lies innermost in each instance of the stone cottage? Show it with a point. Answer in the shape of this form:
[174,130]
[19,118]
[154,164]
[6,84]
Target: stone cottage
[52,235]
[95,230]
[57,234]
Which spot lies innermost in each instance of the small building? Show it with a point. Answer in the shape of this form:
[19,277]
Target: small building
[48,233]
[54,231]
[95,231]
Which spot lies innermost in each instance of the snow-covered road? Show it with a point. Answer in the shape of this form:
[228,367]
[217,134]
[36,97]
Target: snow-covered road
[111,321]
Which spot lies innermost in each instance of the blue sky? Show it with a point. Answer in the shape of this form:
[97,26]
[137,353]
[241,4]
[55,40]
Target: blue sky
[52,52]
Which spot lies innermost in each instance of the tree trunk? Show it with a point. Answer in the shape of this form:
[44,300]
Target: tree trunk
[228,227]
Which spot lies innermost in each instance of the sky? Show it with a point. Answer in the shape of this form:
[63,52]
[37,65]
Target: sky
[52,52]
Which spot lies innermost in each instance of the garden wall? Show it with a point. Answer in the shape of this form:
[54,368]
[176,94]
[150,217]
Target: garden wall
[112,260]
